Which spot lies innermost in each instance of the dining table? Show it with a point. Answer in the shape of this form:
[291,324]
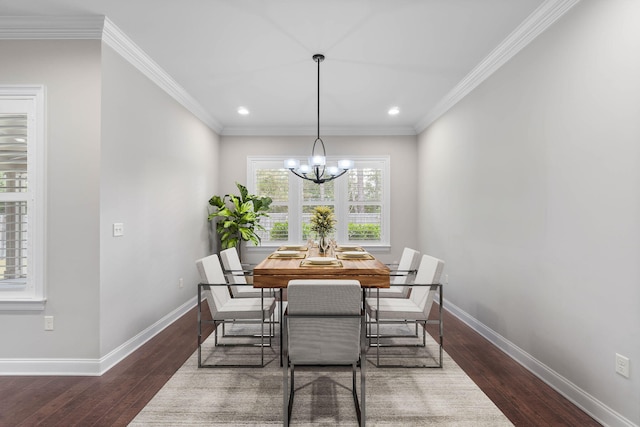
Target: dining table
[290,262]
[302,262]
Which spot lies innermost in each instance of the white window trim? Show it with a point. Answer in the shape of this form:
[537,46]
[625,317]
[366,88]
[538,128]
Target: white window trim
[33,297]
[385,240]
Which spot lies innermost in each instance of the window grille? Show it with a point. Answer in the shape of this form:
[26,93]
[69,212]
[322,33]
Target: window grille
[361,196]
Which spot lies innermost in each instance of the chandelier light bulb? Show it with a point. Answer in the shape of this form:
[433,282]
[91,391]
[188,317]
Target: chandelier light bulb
[332,170]
[291,164]
[345,164]
[304,169]
[318,161]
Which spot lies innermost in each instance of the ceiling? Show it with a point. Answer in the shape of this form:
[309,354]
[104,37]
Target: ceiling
[418,55]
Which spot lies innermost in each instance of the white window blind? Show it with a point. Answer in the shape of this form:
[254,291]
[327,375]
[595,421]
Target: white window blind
[13,209]
[274,182]
[365,204]
[360,200]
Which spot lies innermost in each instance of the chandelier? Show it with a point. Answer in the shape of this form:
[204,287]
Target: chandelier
[317,170]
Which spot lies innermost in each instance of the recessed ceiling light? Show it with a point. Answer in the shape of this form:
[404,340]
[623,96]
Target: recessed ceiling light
[393,111]
[243,111]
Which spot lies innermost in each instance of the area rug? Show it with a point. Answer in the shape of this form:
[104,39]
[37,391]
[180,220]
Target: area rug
[253,396]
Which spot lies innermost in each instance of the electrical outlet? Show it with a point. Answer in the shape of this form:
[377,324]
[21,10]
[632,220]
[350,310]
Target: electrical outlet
[48,323]
[622,365]
[446,279]
[181,283]
[118,229]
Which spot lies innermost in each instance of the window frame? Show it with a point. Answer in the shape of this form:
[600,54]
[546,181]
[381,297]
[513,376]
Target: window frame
[341,196]
[30,99]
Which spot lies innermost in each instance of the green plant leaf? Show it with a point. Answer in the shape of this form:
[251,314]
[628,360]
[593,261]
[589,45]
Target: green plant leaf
[244,193]
[216,201]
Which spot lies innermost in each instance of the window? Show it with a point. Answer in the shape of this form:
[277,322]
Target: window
[361,196]
[21,198]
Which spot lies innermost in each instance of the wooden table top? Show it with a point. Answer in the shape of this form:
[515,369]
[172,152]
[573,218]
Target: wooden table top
[276,272]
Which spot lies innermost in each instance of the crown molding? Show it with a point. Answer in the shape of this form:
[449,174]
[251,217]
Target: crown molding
[101,28]
[125,47]
[536,23]
[312,131]
[51,27]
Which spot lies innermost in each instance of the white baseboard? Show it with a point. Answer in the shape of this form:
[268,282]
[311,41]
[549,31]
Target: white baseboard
[589,404]
[92,367]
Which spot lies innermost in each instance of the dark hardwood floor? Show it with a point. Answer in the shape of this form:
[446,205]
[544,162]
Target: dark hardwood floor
[115,398]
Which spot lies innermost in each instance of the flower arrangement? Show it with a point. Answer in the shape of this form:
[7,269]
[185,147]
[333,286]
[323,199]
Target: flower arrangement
[323,221]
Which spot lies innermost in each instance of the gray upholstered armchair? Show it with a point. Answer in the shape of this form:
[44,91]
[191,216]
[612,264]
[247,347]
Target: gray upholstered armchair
[324,325]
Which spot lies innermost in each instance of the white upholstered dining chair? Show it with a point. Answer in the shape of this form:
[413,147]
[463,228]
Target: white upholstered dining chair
[225,309]
[324,325]
[401,273]
[416,308]
[237,275]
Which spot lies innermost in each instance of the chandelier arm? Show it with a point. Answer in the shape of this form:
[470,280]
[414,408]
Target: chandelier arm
[317,179]
[313,148]
[340,174]
[297,174]
[324,155]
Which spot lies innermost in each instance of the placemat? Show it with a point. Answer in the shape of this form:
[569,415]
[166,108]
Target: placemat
[349,248]
[305,263]
[355,258]
[276,255]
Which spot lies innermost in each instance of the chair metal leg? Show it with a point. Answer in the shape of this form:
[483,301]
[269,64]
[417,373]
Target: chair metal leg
[363,364]
[285,395]
[291,391]
[355,393]
[215,334]
[281,326]
[378,339]
[199,326]
[285,376]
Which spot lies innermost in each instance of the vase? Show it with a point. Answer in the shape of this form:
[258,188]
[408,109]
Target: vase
[323,244]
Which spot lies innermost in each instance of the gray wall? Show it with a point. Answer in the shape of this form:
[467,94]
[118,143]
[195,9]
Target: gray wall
[119,150]
[401,150]
[531,193]
[70,70]
[158,169]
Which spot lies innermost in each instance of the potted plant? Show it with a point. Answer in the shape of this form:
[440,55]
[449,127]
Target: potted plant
[238,217]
